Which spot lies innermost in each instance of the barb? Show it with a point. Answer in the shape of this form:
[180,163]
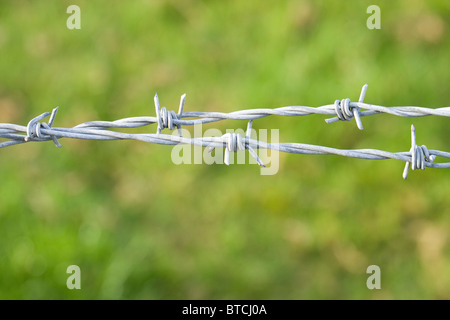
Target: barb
[234,142]
[34,127]
[346,112]
[416,157]
[420,156]
[168,119]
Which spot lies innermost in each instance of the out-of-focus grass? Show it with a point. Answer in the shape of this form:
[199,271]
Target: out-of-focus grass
[141,227]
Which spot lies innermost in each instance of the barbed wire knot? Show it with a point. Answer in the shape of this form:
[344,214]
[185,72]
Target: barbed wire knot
[346,112]
[419,155]
[168,119]
[34,128]
[234,142]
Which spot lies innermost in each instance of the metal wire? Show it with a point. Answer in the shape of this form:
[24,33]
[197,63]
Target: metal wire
[342,111]
[419,157]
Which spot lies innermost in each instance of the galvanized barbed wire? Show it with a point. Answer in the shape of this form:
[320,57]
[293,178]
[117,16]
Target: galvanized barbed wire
[417,157]
[341,110]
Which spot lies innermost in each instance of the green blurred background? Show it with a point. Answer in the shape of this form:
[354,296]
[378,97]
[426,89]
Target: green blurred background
[141,227]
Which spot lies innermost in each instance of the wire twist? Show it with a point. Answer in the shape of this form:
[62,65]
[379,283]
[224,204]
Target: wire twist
[420,156]
[345,112]
[169,119]
[34,128]
[234,142]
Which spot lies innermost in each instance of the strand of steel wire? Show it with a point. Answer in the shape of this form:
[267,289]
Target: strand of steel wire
[419,157]
[341,110]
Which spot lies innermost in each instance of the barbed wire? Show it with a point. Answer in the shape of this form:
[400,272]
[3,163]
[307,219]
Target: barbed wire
[418,157]
[341,110]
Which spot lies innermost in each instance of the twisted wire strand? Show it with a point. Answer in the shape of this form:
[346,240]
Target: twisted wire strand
[341,110]
[418,161]
[253,114]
